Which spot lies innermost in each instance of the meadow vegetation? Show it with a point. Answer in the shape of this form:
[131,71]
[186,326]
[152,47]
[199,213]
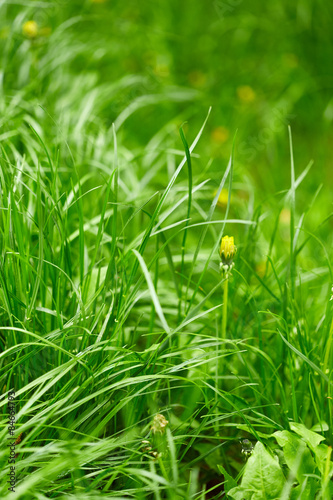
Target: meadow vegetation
[134,137]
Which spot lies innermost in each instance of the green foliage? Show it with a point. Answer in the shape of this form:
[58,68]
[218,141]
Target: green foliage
[263,477]
[120,172]
[300,469]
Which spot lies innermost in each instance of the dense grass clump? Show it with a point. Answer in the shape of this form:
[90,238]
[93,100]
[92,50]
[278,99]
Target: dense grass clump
[141,367]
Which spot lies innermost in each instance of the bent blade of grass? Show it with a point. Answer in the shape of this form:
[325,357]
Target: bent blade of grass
[152,292]
[292,215]
[224,221]
[174,207]
[105,323]
[305,358]
[100,232]
[40,248]
[163,197]
[184,323]
[189,204]
[46,343]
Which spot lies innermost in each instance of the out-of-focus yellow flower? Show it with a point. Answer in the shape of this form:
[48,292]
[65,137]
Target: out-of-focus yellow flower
[246,93]
[159,424]
[223,198]
[197,78]
[261,269]
[30,29]
[162,70]
[284,217]
[227,250]
[220,135]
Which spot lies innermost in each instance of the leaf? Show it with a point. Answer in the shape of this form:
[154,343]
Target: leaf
[229,481]
[297,455]
[321,452]
[238,493]
[305,491]
[152,292]
[320,427]
[263,478]
[312,438]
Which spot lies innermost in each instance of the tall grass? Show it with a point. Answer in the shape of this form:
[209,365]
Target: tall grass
[111,297]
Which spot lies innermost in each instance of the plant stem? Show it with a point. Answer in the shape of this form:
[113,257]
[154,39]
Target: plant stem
[225,307]
[328,348]
[219,362]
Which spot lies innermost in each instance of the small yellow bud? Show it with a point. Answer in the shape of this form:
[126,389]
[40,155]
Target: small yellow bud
[30,29]
[227,250]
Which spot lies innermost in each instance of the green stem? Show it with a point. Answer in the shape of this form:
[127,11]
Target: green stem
[328,348]
[225,308]
[219,361]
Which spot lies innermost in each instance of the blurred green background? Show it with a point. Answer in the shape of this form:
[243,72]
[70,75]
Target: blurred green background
[260,65]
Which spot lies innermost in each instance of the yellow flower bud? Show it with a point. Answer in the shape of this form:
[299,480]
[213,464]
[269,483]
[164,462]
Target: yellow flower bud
[227,250]
[30,29]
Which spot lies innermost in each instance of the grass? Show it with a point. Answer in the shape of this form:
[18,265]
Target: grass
[111,215]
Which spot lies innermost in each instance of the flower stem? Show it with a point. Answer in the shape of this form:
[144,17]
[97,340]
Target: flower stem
[225,308]
[328,348]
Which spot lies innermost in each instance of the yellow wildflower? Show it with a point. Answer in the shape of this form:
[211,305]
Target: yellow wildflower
[227,250]
[246,93]
[223,198]
[162,70]
[30,29]
[284,217]
[220,135]
[261,268]
[197,78]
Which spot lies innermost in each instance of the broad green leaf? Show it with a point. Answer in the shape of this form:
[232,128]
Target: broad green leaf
[312,438]
[320,427]
[297,455]
[321,453]
[239,493]
[263,478]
